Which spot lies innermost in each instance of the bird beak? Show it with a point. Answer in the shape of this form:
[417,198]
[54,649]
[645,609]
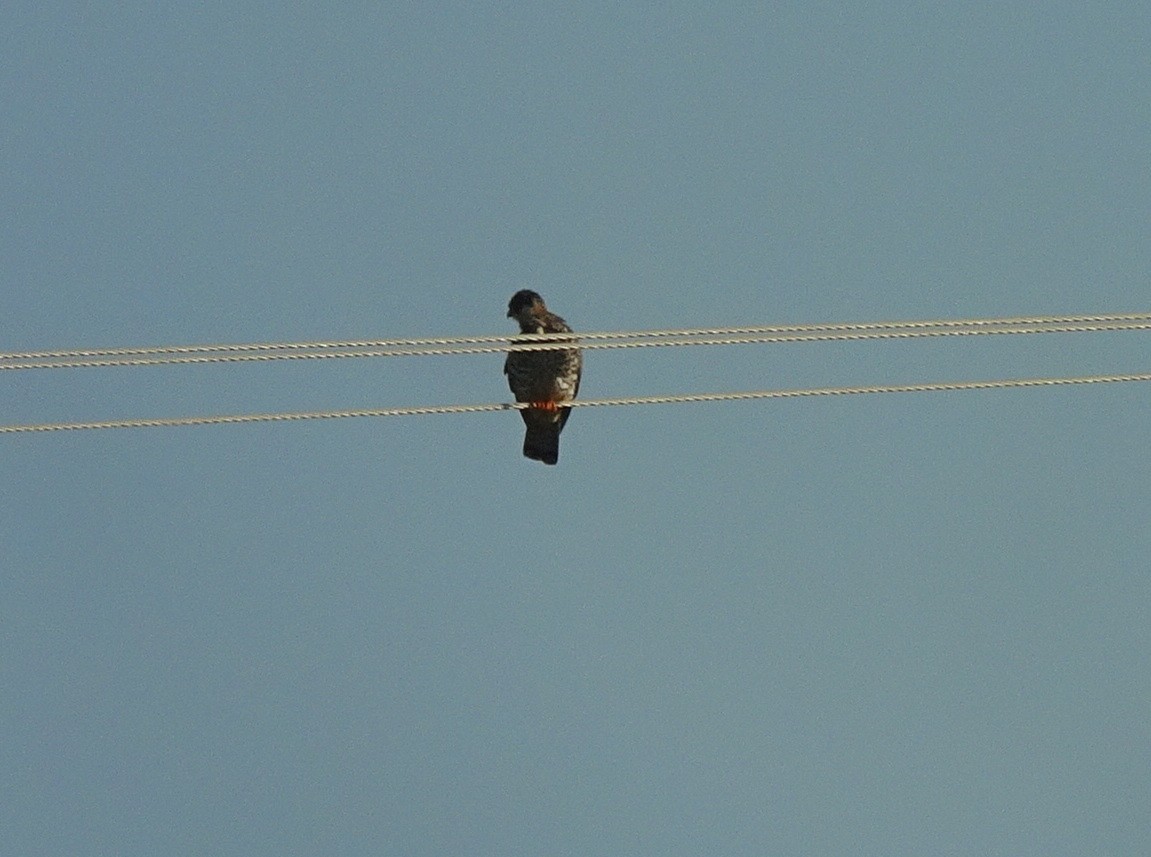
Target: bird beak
[511,314]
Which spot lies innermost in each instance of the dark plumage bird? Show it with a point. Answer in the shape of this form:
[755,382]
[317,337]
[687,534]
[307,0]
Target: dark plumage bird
[546,379]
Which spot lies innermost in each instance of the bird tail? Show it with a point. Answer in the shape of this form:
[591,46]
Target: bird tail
[542,442]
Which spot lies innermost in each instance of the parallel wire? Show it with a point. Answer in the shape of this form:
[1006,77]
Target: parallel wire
[640,334]
[944,386]
[209,354]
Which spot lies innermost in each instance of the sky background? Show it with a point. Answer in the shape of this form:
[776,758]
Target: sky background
[915,624]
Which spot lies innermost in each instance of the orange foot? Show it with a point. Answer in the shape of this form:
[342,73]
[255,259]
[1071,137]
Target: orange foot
[545,406]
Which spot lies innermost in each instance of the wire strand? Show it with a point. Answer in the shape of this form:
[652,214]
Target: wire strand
[943,386]
[85,357]
[615,340]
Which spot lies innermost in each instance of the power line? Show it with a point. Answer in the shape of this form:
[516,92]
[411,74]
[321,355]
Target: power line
[268,352]
[944,386]
[473,340]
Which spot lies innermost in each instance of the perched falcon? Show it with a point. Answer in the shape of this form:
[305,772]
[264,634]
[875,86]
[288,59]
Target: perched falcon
[544,378]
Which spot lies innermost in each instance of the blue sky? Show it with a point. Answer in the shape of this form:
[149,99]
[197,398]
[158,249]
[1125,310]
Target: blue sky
[876,625]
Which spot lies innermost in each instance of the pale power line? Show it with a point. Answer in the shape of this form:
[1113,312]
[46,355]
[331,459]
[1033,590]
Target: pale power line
[443,346]
[942,386]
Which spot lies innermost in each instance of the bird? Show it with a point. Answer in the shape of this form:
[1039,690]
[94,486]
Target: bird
[545,379]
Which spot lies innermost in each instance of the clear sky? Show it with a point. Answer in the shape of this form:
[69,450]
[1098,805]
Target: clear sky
[895,625]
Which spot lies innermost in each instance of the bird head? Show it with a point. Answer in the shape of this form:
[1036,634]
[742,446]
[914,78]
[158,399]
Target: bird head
[524,304]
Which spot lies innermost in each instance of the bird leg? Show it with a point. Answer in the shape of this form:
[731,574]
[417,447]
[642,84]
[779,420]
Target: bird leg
[551,407]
